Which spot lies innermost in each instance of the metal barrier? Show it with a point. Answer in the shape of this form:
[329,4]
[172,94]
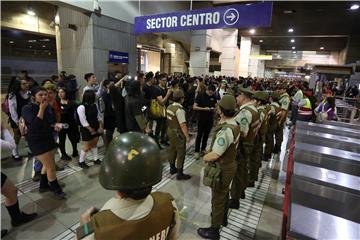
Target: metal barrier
[347,109]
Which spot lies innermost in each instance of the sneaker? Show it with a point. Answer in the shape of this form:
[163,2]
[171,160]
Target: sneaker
[24,218]
[97,162]
[197,156]
[65,157]
[83,165]
[17,158]
[209,233]
[182,176]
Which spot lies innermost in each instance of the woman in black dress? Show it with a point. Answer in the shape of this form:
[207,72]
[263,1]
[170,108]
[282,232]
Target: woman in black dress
[68,110]
[109,114]
[40,120]
[91,127]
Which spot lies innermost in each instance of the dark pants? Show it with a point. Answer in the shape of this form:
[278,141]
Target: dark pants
[160,131]
[73,136]
[294,111]
[203,131]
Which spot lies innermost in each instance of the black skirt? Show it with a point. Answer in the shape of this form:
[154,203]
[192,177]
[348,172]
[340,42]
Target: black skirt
[86,135]
[40,145]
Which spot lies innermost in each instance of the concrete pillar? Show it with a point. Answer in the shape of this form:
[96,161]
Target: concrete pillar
[199,52]
[253,63]
[84,45]
[353,49]
[229,56]
[245,49]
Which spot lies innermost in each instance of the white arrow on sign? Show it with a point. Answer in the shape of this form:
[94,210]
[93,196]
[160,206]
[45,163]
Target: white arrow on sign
[232,16]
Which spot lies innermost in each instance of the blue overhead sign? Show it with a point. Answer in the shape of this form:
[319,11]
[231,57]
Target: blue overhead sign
[232,16]
[119,57]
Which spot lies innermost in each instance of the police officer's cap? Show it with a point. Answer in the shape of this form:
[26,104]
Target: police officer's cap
[224,81]
[131,162]
[275,96]
[228,102]
[261,95]
[178,94]
[282,86]
[245,91]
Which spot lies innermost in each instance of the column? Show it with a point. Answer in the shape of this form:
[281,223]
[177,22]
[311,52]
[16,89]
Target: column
[199,53]
[245,49]
[353,49]
[253,63]
[229,56]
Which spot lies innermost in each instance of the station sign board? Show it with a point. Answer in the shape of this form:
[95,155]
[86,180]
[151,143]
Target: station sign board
[231,16]
[118,57]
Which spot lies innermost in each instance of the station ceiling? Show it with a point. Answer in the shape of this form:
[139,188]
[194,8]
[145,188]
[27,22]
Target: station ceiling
[315,25]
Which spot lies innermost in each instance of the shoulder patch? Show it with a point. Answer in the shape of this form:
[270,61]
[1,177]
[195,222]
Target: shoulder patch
[221,141]
[244,121]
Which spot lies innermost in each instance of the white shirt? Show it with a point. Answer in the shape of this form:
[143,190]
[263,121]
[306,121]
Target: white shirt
[13,105]
[7,141]
[82,117]
[222,92]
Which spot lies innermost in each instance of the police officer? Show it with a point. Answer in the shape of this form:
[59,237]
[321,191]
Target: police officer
[178,135]
[261,98]
[284,102]
[223,151]
[131,167]
[273,125]
[248,119]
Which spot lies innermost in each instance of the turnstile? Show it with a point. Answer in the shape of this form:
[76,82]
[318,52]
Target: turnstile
[323,128]
[343,124]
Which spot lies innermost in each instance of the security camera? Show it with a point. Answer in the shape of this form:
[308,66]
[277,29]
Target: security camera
[52,24]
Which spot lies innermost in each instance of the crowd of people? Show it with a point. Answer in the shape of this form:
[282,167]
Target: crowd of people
[248,114]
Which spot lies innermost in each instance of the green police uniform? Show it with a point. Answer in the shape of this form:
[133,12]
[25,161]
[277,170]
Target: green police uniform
[132,154]
[284,102]
[177,150]
[273,125]
[264,111]
[249,121]
[224,144]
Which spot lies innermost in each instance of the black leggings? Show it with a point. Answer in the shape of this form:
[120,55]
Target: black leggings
[73,136]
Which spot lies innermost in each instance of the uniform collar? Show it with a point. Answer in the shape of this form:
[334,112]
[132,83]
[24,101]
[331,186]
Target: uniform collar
[229,121]
[246,104]
[129,209]
[177,104]
[284,94]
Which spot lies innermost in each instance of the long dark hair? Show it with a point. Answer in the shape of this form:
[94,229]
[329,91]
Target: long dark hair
[134,89]
[14,85]
[88,97]
[66,93]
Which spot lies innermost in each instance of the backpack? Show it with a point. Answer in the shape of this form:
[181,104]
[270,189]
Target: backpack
[5,105]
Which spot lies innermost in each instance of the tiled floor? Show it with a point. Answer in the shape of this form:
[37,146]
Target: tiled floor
[259,217]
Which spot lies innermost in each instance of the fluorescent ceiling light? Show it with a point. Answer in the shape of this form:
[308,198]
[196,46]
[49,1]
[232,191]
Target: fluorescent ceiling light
[30,46]
[292,40]
[31,41]
[321,48]
[260,40]
[11,42]
[45,40]
[294,52]
[252,31]
[31,12]
[43,46]
[293,47]
[290,30]
[354,7]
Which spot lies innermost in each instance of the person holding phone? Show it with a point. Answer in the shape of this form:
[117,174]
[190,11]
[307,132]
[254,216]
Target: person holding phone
[205,104]
[90,127]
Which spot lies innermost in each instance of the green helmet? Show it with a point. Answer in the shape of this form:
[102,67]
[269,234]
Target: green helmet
[261,95]
[131,162]
[275,96]
[228,102]
[178,93]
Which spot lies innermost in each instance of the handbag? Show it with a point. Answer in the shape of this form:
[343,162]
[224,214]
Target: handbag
[212,175]
[157,110]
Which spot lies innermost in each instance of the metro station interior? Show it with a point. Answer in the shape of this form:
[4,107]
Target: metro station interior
[307,188]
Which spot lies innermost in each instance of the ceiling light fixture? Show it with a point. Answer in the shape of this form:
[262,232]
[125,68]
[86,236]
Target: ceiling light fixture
[252,31]
[31,12]
[43,46]
[292,40]
[32,41]
[11,42]
[321,48]
[293,48]
[30,46]
[354,7]
[260,40]
[290,30]
[294,52]
[45,40]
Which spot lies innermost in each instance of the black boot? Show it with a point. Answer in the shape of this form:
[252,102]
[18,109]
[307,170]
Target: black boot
[209,233]
[234,204]
[56,189]
[251,184]
[65,157]
[44,184]
[17,217]
[181,176]
[3,232]
[75,153]
[173,169]
[243,195]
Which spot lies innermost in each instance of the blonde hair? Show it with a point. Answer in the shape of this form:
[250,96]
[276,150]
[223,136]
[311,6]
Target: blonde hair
[50,86]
